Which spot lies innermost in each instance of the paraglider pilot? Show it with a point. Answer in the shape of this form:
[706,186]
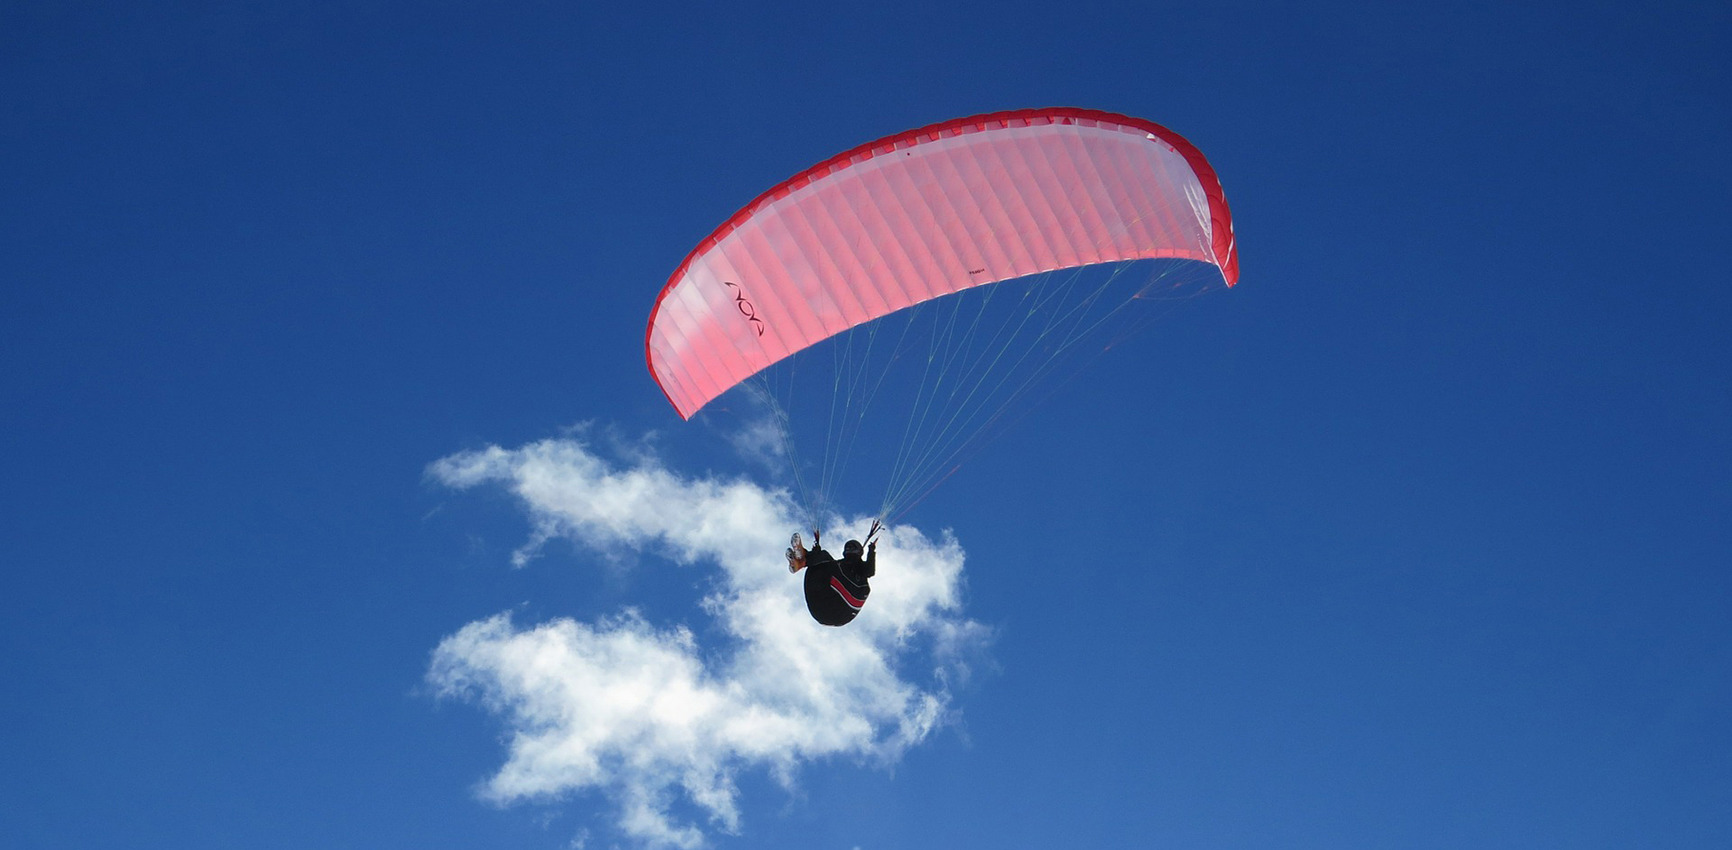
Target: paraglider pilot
[835,590]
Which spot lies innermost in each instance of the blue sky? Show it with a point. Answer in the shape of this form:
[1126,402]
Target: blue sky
[1416,538]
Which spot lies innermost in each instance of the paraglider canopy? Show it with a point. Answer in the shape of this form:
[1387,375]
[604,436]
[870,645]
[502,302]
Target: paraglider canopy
[923,214]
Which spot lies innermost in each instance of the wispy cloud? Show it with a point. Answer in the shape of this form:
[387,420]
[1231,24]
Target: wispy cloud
[644,715]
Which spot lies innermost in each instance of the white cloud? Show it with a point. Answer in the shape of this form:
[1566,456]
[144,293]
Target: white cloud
[644,715]
[755,433]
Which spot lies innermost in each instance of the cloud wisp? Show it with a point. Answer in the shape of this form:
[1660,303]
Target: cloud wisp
[642,714]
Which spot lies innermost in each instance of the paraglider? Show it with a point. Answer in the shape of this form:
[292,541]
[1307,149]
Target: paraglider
[1006,244]
[835,590]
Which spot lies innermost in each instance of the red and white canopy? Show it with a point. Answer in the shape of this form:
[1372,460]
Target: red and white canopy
[924,214]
